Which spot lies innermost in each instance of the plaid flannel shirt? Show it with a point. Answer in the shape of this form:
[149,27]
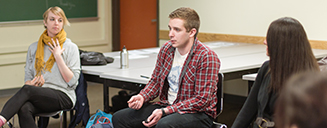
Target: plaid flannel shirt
[198,87]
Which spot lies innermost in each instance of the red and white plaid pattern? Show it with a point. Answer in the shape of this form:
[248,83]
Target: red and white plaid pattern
[197,91]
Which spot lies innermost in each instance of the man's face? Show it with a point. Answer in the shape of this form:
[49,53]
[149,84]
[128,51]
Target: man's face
[178,35]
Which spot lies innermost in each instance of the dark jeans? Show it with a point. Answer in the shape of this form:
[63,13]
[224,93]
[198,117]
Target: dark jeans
[130,118]
[31,100]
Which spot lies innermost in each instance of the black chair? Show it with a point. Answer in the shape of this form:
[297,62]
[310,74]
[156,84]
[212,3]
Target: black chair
[219,105]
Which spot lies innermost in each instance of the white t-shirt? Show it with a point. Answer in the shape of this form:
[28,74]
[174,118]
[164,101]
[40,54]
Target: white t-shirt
[173,76]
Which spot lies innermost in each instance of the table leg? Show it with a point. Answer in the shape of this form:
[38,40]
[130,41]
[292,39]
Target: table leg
[106,96]
[250,83]
[117,84]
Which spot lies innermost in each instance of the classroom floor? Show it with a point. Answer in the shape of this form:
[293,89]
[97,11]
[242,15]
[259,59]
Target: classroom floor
[95,97]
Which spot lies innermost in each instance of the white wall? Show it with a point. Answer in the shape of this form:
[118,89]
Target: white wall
[251,17]
[239,17]
[15,39]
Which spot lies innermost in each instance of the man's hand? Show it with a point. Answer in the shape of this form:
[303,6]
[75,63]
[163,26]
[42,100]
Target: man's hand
[153,118]
[135,102]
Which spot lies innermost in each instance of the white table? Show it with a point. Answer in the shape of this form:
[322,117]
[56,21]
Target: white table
[137,59]
[250,78]
[236,59]
[147,59]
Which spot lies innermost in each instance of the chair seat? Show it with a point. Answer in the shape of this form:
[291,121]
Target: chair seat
[218,125]
[50,114]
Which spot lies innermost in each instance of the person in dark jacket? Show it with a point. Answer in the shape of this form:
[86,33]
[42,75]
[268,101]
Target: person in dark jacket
[82,110]
[289,53]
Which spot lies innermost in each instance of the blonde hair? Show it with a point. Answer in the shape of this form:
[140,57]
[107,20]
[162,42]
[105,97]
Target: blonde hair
[57,11]
[190,17]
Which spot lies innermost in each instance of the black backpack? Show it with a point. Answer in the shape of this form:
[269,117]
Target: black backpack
[120,101]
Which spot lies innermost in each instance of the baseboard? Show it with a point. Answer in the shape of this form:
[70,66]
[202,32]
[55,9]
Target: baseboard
[8,92]
[207,37]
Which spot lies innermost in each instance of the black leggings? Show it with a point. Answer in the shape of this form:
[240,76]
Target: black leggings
[31,100]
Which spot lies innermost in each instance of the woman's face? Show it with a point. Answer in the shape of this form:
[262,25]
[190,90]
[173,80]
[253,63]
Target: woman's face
[265,43]
[54,24]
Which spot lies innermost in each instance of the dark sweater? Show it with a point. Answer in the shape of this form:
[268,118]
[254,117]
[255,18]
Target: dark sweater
[259,103]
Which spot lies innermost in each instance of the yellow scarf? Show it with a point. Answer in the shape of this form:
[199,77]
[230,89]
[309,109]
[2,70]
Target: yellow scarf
[39,57]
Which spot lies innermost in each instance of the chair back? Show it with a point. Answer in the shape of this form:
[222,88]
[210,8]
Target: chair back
[219,105]
[220,93]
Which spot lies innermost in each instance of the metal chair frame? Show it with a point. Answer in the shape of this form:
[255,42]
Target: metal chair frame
[54,114]
[220,102]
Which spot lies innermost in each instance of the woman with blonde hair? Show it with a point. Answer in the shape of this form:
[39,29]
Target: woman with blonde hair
[51,74]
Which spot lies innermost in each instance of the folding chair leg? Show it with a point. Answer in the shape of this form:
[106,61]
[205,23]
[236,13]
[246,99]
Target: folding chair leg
[10,125]
[64,121]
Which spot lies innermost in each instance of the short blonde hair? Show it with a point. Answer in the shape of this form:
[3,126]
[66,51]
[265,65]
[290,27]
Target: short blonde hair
[190,17]
[57,11]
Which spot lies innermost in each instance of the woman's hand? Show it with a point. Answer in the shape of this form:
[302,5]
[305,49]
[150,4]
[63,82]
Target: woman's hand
[37,81]
[55,48]
[135,102]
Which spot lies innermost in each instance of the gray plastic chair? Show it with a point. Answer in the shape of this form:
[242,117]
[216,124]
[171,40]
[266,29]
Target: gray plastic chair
[60,113]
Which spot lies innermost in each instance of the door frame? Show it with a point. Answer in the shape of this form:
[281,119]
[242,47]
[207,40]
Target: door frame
[116,24]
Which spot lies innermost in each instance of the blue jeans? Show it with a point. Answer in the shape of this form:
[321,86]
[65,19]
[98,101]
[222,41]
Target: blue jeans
[130,118]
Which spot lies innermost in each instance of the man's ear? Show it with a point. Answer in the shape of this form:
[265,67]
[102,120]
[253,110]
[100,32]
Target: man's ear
[192,32]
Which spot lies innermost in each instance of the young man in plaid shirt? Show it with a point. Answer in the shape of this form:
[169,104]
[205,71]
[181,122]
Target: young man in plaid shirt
[185,79]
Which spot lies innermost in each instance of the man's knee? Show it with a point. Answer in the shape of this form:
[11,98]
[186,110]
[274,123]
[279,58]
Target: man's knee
[116,116]
[120,115]
[163,123]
